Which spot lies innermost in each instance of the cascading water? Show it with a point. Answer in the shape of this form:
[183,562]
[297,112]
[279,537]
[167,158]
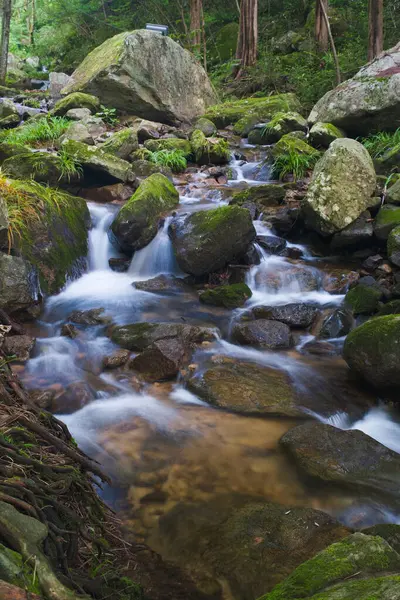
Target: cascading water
[100,247]
[156,258]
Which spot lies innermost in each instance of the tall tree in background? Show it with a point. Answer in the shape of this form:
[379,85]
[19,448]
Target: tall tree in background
[5,38]
[321,30]
[246,51]
[375,28]
[195,23]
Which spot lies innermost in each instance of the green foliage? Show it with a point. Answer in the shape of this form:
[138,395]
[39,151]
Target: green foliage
[109,115]
[174,159]
[36,131]
[293,163]
[68,165]
[380,143]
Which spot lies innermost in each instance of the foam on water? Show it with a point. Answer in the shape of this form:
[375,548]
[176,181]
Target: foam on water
[100,247]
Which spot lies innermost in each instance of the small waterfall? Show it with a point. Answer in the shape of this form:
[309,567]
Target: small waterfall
[100,248]
[156,258]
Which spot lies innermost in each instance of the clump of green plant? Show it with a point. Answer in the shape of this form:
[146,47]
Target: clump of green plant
[293,163]
[174,159]
[378,144]
[36,131]
[109,115]
[32,102]
[68,165]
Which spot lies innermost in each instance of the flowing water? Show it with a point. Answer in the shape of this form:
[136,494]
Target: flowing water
[162,444]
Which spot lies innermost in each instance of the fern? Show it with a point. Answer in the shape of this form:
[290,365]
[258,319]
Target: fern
[294,163]
[174,159]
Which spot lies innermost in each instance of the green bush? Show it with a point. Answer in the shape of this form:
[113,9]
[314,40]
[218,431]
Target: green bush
[174,159]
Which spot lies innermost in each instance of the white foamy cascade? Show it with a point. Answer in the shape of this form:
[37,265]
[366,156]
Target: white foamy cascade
[100,247]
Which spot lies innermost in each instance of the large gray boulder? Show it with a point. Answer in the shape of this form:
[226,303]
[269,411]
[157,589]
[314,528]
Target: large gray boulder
[341,187]
[208,240]
[17,283]
[370,101]
[143,73]
[57,81]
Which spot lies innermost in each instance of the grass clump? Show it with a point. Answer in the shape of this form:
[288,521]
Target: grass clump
[109,115]
[379,143]
[36,131]
[174,159]
[293,163]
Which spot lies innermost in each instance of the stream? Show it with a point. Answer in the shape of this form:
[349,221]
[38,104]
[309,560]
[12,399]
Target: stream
[162,444]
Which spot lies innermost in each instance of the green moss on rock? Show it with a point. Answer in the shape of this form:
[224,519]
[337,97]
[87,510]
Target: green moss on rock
[76,100]
[323,134]
[121,143]
[281,124]
[228,296]
[169,144]
[137,222]
[96,160]
[363,299]
[393,246]
[209,151]
[289,143]
[206,126]
[265,195]
[388,218]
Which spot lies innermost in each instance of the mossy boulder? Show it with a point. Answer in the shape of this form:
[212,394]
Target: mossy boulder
[265,195]
[208,240]
[363,299]
[229,113]
[248,544]
[372,351]
[393,193]
[206,151]
[8,150]
[341,187]
[136,224]
[228,296]
[389,161]
[323,134]
[291,143]
[44,167]
[9,115]
[387,219]
[393,246]
[206,126]
[368,102]
[169,144]
[76,100]
[390,308]
[225,42]
[121,143]
[147,75]
[246,387]
[280,124]
[144,168]
[355,568]
[96,162]
[139,336]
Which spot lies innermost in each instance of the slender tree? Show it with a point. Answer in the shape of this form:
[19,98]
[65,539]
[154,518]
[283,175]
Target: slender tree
[375,28]
[196,10]
[246,51]
[331,41]
[5,39]
[321,30]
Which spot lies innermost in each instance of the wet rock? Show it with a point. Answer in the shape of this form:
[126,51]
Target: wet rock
[272,243]
[120,265]
[263,333]
[295,315]
[161,360]
[95,316]
[350,457]
[357,234]
[75,396]
[246,387]
[363,299]
[338,324]
[372,351]
[283,220]
[251,256]
[228,296]
[163,283]
[319,348]
[353,568]
[117,192]
[136,224]
[323,134]
[116,360]
[206,241]
[138,336]
[393,246]
[17,284]
[303,279]
[388,218]
[372,262]
[342,184]
[19,346]
[232,540]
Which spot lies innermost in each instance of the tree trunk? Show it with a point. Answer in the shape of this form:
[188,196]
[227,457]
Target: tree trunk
[375,28]
[321,30]
[196,7]
[246,51]
[5,38]
[331,41]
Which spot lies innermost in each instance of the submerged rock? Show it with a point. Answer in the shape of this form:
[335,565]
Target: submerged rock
[246,387]
[341,187]
[123,74]
[162,359]
[94,316]
[136,224]
[162,284]
[247,544]
[228,296]
[355,568]
[373,351]
[138,336]
[207,240]
[368,102]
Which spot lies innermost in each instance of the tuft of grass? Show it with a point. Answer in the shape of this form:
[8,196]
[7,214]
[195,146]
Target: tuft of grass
[109,115]
[36,131]
[68,165]
[174,159]
[293,163]
[379,143]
